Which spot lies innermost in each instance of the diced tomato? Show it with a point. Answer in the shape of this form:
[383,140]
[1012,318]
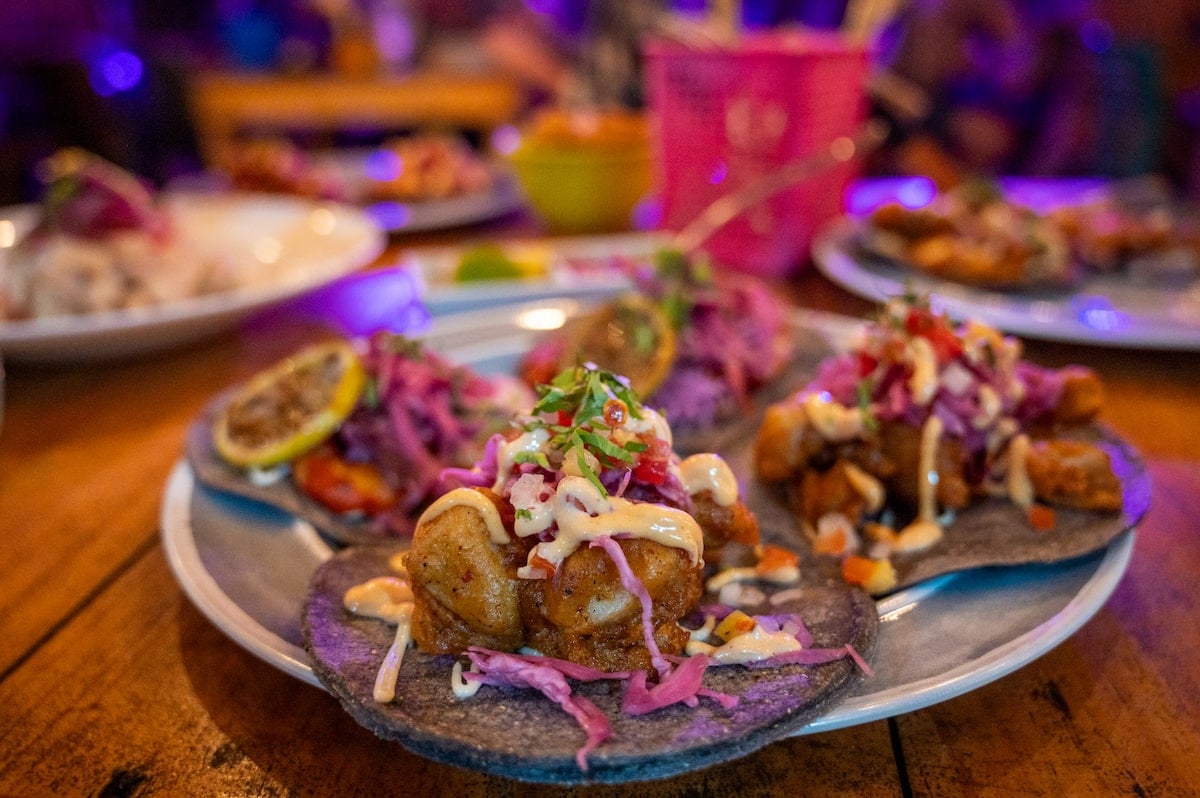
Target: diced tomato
[565,418]
[340,485]
[733,625]
[652,465]
[873,576]
[866,364]
[1041,517]
[772,558]
[539,563]
[936,329]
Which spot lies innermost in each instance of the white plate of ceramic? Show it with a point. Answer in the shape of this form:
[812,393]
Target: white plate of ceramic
[576,267]
[1114,310]
[357,168]
[247,567]
[281,246]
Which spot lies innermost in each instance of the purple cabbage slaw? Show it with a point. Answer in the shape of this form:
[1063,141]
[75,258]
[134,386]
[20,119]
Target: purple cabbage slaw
[679,679]
[1025,391]
[732,343]
[419,415]
[730,338]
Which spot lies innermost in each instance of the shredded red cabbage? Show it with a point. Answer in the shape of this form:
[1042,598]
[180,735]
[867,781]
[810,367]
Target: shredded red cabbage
[813,656]
[549,677]
[731,344]
[630,582]
[422,415]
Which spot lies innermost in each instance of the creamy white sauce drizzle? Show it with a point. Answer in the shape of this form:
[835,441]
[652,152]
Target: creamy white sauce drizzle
[710,623]
[461,688]
[469,497]
[753,646]
[866,486]
[927,475]
[923,381]
[832,421]
[739,594]
[1017,482]
[710,472]
[989,407]
[388,599]
[584,514]
[530,442]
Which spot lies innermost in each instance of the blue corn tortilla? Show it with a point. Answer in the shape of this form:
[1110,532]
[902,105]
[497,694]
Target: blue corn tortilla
[522,735]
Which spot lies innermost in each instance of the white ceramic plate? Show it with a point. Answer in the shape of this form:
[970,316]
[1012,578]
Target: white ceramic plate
[288,246]
[247,568]
[1105,310]
[584,266]
[353,167]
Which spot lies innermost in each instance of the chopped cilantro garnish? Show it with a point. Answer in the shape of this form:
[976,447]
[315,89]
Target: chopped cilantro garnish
[863,391]
[370,395]
[680,277]
[536,458]
[577,396]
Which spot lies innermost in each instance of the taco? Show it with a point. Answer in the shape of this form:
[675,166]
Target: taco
[582,563]
[697,345]
[930,448]
[351,436]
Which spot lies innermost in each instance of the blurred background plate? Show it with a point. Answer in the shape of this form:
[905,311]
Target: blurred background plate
[288,246]
[1116,310]
[353,166]
[582,266]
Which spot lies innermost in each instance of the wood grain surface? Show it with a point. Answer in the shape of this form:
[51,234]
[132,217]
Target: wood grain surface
[112,684]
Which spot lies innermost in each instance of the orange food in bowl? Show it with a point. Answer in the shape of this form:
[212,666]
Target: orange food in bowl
[584,171]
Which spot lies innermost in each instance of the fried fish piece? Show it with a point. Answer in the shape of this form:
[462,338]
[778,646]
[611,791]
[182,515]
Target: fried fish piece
[464,584]
[1073,473]
[582,613]
[723,524]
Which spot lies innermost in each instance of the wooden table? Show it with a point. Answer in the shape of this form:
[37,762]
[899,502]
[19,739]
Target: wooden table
[113,684]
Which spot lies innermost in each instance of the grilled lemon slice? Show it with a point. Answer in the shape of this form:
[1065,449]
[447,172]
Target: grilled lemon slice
[630,336]
[290,407]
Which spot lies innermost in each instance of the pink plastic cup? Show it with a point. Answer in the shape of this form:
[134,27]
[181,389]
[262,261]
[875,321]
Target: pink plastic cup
[724,117]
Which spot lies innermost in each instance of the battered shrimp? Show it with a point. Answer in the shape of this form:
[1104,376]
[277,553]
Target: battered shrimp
[584,614]
[465,585]
[1073,474]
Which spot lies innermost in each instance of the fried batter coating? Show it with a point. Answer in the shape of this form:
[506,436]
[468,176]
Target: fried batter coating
[583,613]
[1081,398]
[787,444]
[721,525]
[900,444]
[830,491]
[465,587]
[1073,474]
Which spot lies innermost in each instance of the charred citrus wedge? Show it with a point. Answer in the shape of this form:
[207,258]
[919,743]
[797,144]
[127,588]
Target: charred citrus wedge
[291,407]
[630,336]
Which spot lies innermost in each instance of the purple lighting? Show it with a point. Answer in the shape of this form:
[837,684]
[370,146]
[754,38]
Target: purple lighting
[647,214]
[391,215]
[506,139]
[1098,313]
[387,299]
[865,196]
[718,173]
[112,71]
[1097,36]
[383,165]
